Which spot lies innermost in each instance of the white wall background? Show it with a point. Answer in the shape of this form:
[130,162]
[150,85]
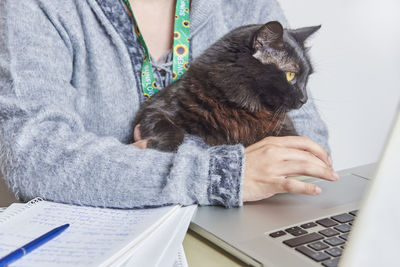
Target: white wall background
[356,86]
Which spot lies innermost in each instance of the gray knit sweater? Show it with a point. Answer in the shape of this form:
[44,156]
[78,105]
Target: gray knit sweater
[70,89]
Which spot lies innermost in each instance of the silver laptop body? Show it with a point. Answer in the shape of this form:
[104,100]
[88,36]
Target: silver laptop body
[245,232]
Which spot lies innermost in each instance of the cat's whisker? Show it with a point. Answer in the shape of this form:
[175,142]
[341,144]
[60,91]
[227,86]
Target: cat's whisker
[280,111]
[281,125]
[306,110]
[318,99]
[279,131]
[272,119]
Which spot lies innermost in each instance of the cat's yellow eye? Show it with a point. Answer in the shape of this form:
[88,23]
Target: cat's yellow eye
[290,76]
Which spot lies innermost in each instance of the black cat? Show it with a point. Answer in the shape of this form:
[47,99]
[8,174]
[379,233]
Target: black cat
[238,91]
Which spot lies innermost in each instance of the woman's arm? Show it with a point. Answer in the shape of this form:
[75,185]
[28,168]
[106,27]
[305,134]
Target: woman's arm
[46,151]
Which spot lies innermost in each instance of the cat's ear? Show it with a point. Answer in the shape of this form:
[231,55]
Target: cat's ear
[302,34]
[270,34]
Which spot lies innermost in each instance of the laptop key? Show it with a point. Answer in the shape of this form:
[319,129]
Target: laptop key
[354,212]
[277,234]
[331,263]
[334,241]
[308,225]
[296,231]
[335,252]
[328,232]
[327,222]
[343,218]
[304,239]
[344,236]
[317,256]
[318,245]
[344,228]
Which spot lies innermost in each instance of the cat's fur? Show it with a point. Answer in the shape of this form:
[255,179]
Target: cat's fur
[235,92]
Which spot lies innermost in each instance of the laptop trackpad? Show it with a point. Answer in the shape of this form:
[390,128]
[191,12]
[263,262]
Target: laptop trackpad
[335,197]
[348,189]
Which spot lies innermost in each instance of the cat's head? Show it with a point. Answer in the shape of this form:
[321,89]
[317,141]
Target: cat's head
[259,66]
[283,50]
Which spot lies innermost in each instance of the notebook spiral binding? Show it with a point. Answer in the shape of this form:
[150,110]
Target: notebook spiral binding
[179,262]
[5,216]
[181,258]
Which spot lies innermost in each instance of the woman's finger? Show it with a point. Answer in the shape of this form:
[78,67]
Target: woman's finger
[291,154]
[142,144]
[298,187]
[305,143]
[136,133]
[301,167]
[295,142]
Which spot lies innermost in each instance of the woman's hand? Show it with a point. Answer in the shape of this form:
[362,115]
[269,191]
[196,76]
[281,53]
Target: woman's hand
[139,142]
[271,160]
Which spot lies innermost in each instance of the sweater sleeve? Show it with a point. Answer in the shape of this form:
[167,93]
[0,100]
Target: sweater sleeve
[46,151]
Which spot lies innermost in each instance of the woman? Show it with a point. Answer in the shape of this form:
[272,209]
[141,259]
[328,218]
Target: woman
[70,87]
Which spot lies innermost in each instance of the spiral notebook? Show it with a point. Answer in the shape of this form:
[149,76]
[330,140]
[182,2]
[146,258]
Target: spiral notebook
[96,236]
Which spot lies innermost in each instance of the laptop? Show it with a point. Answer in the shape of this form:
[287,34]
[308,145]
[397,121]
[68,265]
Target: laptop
[354,221]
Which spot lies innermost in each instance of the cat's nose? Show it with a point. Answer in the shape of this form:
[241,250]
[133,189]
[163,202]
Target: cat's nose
[303,100]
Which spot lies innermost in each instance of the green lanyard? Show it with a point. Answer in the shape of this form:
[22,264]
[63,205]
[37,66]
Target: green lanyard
[180,47]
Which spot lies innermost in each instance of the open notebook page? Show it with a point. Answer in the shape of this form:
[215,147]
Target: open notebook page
[95,236]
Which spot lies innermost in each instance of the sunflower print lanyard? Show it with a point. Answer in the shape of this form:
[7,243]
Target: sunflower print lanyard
[180,58]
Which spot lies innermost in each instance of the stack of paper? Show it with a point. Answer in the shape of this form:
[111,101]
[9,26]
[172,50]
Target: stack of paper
[96,236]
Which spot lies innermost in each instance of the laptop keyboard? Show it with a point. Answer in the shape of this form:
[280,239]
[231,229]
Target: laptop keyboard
[322,240]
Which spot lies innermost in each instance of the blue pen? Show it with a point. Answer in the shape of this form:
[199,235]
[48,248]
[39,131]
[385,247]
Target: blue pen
[16,254]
